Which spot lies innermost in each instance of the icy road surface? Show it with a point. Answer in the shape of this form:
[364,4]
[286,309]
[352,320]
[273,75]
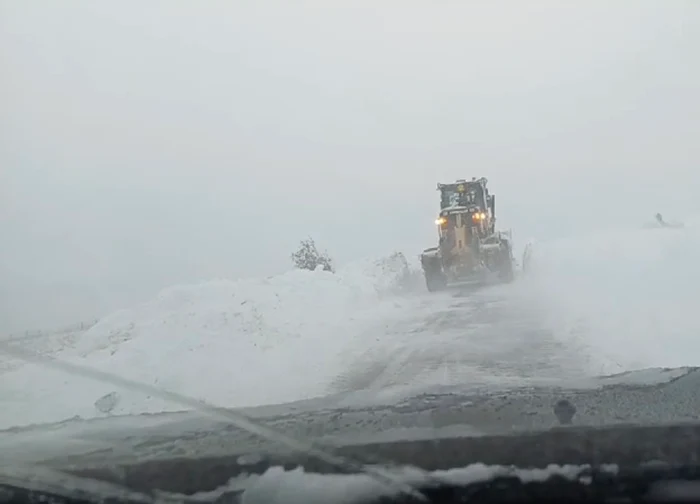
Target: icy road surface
[598,304]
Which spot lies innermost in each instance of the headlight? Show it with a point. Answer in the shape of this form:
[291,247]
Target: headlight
[440,221]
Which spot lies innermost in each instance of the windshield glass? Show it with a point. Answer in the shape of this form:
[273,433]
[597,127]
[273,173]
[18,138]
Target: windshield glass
[469,195]
[236,202]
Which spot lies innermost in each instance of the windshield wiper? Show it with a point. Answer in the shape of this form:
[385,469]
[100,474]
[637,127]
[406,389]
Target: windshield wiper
[41,484]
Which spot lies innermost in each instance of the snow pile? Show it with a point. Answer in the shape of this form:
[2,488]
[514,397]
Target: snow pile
[297,486]
[630,295]
[261,311]
[233,343]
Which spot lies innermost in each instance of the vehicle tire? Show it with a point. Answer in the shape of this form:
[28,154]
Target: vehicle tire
[506,273]
[435,281]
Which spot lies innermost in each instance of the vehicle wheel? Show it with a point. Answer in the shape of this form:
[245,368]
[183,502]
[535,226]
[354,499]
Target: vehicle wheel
[506,273]
[435,281]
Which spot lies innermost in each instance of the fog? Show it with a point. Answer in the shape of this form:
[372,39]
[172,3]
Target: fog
[145,144]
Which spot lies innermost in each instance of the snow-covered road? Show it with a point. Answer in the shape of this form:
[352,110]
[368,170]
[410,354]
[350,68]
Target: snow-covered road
[599,304]
[470,340]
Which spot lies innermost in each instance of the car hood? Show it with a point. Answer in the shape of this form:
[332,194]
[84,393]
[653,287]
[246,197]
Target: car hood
[647,397]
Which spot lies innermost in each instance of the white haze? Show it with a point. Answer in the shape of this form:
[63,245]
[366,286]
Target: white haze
[145,144]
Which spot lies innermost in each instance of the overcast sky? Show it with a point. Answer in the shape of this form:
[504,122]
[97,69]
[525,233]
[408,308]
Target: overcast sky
[153,143]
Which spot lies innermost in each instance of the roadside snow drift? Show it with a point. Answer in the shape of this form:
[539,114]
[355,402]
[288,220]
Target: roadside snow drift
[233,343]
[630,295]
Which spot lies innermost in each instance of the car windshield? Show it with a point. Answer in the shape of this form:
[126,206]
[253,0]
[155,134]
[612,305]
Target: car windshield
[236,202]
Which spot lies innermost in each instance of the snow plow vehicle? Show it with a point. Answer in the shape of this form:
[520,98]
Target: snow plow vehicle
[469,247]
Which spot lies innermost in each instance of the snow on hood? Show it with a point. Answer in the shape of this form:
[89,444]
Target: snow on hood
[296,486]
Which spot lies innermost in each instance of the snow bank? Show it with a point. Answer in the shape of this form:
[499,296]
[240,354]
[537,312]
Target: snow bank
[630,295]
[233,343]
[297,486]
[259,310]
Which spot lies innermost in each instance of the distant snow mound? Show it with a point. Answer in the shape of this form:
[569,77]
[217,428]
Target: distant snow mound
[661,223]
[630,293]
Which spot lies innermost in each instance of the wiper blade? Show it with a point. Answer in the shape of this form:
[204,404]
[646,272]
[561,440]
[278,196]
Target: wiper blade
[40,484]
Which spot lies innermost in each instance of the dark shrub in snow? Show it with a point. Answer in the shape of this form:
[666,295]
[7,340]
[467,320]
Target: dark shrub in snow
[308,257]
